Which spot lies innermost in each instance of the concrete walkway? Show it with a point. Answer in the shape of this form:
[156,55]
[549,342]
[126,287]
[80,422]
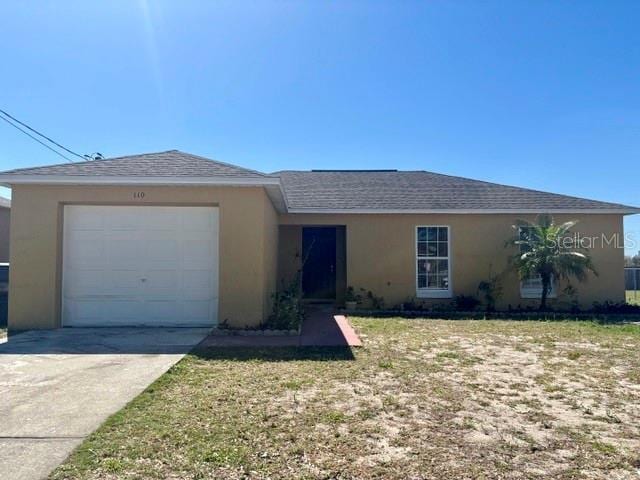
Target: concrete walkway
[58,386]
[321,328]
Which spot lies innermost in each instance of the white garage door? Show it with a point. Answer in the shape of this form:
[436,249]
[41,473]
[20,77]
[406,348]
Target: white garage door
[153,266]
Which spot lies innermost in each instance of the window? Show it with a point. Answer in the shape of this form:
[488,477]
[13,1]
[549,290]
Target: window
[432,262]
[532,287]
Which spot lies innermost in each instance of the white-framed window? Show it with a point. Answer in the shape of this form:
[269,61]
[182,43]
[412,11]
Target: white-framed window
[433,261]
[532,287]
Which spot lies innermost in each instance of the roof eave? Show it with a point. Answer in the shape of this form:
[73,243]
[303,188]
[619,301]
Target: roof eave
[461,211]
[7,180]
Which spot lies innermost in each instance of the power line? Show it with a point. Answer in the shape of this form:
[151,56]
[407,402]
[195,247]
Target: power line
[36,139]
[42,135]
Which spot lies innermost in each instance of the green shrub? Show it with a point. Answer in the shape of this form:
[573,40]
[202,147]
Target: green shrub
[465,303]
[491,290]
[288,312]
[351,295]
[377,303]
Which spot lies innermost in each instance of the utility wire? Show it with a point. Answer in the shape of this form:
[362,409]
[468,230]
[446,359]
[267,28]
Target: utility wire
[36,139]
[42,135]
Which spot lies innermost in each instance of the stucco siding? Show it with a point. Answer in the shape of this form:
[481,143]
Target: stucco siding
[381,254]
[271,236]
[36,239]
[5,221]
[289,253]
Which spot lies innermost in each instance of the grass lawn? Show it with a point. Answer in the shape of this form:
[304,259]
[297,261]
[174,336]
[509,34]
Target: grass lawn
[421,399]
[633,297]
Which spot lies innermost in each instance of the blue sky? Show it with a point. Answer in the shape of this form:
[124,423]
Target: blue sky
[542,94]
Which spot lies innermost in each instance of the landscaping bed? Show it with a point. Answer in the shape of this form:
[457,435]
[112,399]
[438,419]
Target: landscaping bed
[420,399]
[499,315]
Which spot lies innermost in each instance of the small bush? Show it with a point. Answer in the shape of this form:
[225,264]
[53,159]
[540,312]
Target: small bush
[376,303]
[411,304]
[615,307]
[491,290]
[465,303]
[571,294]
[351,295]
[288,312]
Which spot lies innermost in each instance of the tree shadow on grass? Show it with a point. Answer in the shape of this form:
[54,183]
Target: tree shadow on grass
[274,354]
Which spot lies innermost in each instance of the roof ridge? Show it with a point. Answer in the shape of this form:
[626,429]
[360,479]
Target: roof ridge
[218,161]
[131,155]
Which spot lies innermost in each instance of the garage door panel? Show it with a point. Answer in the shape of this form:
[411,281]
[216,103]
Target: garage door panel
[140,266]
[88,247]
[123,248]
[121,219]
[164,218]
[86,220]
[86,309]
[199,311]
[197,283]
[164,284]
[85,282]
[162,310]
[163,249]
[201,220]
[91,310]
[122,282]
[103,311]
[123,312]
[197,251]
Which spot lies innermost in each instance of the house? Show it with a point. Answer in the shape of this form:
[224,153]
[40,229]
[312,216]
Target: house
[172,238]
[5,213]
[632,278]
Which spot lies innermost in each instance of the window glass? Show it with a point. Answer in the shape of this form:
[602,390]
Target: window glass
[432,258]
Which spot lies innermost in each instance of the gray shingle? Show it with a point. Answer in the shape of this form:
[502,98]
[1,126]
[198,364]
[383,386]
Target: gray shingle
[418,191]
[336,190]
[172,163]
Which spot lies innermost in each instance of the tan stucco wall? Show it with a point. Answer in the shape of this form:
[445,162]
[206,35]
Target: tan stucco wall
[5,214]
[270,256]
[289,253]
[381,253]
[248,242]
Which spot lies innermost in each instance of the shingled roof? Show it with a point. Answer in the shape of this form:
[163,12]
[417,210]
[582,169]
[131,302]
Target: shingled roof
[420,191]
[172,163]
[388,191]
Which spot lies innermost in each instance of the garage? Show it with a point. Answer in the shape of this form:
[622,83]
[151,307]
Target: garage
[140,266]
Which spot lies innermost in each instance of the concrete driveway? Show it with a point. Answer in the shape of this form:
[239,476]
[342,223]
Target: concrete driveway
[58,386]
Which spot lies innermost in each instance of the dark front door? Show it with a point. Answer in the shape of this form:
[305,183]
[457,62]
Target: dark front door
[319,257]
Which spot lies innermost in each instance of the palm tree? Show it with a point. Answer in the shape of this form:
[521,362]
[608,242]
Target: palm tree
[547,250]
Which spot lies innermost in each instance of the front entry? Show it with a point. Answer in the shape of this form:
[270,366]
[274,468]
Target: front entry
[319,268]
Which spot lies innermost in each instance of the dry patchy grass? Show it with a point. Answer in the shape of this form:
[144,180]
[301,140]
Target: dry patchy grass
[421,399]
[633,297]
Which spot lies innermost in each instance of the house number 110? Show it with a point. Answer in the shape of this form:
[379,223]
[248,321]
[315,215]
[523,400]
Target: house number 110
[138,195]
